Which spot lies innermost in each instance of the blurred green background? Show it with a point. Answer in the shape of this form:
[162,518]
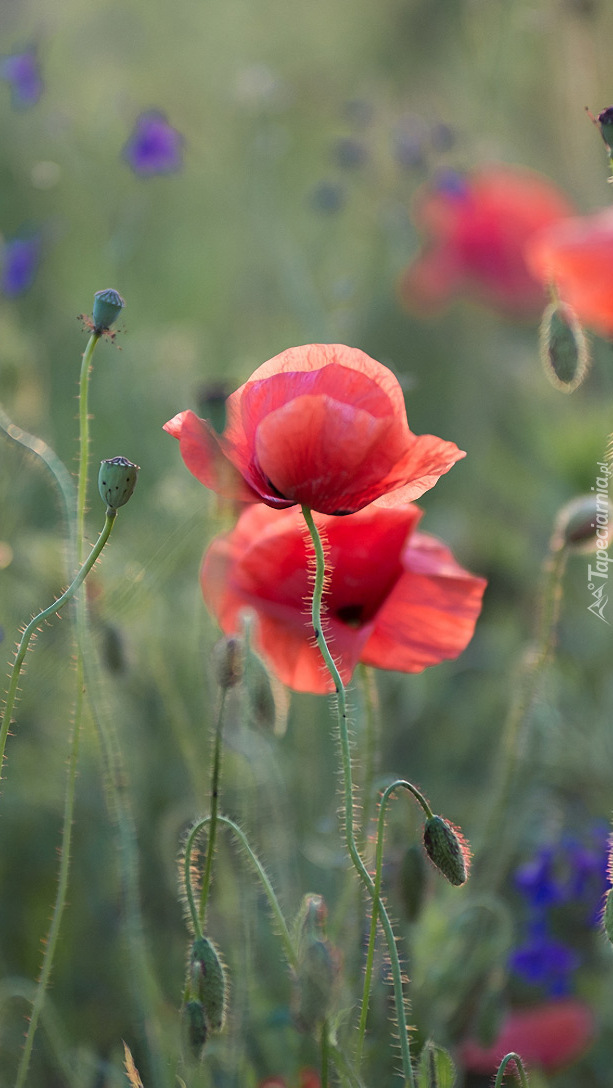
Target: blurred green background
[288,223]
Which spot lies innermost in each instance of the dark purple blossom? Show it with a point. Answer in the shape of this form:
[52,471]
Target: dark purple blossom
[154,147]
[20,257]
[21,71]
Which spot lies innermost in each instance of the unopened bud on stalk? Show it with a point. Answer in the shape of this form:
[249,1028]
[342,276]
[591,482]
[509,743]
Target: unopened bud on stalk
[582,525]
[228,661]
[318,965]
[447,849]
[564,349]
[116,481]
[605,124]
[194,1028]
[208,982]
[108,305]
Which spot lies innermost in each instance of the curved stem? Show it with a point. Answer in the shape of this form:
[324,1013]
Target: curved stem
[508,1058]
[371,745]
[40,618]
[215,776]
[290,951]
[350,840]
[370,955]
[86,363]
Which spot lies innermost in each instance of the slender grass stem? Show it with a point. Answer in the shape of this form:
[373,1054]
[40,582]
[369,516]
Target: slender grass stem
[215,778]
[349,830]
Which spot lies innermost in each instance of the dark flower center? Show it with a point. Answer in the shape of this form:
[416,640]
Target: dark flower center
[351,614]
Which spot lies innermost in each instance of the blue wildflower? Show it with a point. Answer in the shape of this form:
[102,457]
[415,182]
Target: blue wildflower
[154,147]
[21,71]
[545,962]
[20,257]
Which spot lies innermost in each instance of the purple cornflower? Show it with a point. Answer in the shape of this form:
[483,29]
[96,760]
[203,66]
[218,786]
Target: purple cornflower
[19,258]
[545,962]
[154,147]
[21,71]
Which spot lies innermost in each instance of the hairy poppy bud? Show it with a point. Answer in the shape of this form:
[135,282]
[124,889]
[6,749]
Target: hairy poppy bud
[412,880]
[194,1028]
[582,525]
[116,481]
[447,849]
[228,661]
[208,982]
[108,305]
[318,965]
[563,345]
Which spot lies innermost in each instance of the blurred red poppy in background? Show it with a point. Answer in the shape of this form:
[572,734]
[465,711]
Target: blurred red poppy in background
[396,599]
[308,1078]
[576,256]
[547,1036]
[324,425]
[476,227]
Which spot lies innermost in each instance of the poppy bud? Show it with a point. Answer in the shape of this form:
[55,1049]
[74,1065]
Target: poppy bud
[228,661]
[318,965]
[208,982]
[116,481]
[447,849]
[563,347]
[605,124]
[412,882]
[108,305]
[582,525]
[311,918]
[194,1028]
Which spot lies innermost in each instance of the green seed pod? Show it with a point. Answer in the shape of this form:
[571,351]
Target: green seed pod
[194,1028]
[447,849]
[563,347]
[228,661]
[412,882]
[108,305]
[209,982]
[116,481]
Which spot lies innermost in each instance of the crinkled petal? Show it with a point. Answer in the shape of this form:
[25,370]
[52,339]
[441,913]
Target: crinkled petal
[203,455]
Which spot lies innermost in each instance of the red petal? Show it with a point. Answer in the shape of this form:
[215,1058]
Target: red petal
[549,1036]
[203,456]
[430,614]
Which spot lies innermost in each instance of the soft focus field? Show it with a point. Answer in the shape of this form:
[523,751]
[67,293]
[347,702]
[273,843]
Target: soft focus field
[308,129]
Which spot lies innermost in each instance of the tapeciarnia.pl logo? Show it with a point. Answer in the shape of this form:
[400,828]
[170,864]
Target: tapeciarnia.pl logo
[598,575]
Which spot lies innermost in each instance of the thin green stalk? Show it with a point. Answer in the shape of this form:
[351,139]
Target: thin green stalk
[491,857]
[40,618]
[508,1058]
[60,899]
[349,829]
[290,951]
[215,777]
[370,747]
[86,363]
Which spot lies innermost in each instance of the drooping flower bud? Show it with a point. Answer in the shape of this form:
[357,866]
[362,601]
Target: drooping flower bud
[208,982]
[582,525]
[447,849]
[228,661]
[108,305]
[194,1028]
[412,882]
[116,481]
[563,346]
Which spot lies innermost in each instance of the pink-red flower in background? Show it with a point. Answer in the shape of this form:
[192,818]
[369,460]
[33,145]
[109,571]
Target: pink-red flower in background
[308,1078]
[322,425]
[547,1036]
[476,227]
[576,256]
[395,599]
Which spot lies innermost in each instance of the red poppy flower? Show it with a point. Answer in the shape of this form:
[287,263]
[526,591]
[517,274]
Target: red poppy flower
[477,226]
[396,599]
[577,257]
[324,425]
[308,1078]
[548,1036]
